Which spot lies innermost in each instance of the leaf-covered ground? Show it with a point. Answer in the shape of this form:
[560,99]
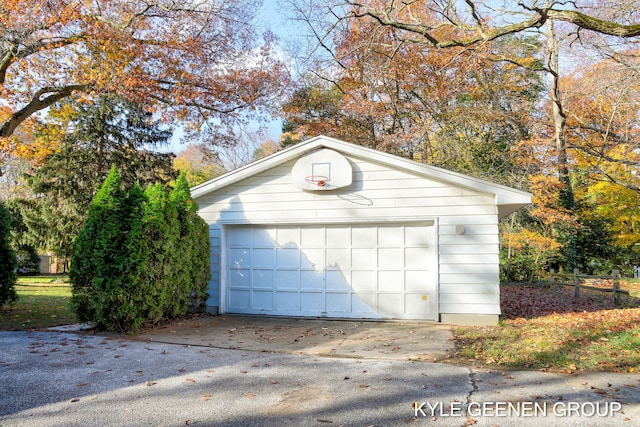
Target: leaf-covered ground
[548,328]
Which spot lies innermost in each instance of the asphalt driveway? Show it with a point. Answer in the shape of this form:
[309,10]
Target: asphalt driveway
[347,374]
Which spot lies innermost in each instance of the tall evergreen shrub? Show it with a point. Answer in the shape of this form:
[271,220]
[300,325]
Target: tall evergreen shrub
[8,261]
[194,247]
[160,254]
[99,262]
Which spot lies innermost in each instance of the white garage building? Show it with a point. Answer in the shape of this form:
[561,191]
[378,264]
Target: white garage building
[327,228]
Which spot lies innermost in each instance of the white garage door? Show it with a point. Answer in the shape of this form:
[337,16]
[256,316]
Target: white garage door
[373,271]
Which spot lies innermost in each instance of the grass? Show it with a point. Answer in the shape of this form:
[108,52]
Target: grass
[43,302]
[594,335]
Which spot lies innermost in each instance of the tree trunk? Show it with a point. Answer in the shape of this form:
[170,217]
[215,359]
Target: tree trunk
[567,199]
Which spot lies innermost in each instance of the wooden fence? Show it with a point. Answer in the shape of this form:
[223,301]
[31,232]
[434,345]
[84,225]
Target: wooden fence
[577,281]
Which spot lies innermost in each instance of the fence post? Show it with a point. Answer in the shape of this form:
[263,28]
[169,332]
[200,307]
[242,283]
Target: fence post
[616,286]
[552,278]
[576,283]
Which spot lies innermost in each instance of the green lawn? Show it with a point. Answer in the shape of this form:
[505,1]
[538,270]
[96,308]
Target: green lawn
[43,301]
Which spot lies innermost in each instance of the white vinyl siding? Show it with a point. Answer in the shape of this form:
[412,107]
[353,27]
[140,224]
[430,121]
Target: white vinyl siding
[467,263]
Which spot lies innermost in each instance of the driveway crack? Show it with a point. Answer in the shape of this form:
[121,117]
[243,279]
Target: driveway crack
[474,389]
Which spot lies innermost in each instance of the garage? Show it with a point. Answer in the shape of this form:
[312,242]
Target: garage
[343,271]
[327,228]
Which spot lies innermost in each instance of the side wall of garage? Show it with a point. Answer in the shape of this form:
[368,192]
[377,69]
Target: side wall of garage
[466,221]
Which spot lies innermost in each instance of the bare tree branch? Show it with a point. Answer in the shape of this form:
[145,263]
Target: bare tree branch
[42,99]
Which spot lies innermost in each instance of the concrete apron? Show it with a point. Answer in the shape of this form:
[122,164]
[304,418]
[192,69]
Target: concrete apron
[389,340]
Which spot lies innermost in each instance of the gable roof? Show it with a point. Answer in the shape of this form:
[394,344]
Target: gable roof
[507,199]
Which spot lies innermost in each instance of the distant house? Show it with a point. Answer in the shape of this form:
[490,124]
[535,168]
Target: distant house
[327,228]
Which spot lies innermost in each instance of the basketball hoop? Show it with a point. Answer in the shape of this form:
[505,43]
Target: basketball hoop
[319,180]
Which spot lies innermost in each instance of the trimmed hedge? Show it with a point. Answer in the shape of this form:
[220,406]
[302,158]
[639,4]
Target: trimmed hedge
[141,257]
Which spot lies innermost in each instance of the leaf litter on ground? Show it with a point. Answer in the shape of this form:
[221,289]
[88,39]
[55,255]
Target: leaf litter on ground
[549,328]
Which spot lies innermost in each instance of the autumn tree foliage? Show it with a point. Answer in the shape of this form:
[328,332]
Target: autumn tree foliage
[456,109]
[198,164]
[482,87]
[198,63]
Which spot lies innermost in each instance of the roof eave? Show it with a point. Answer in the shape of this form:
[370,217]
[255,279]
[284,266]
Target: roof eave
[508,199]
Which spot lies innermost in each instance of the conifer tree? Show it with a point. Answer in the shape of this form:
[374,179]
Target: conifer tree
[140,257]
[99,259]
[194,246]
[113,131]
[8,261]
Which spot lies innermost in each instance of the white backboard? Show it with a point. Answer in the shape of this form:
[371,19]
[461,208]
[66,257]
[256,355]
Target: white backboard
[322,170]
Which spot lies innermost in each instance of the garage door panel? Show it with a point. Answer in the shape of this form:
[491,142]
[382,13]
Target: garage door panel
[390,280]
[364,304]
[263,279]
[287,279]
[310,280]
[288,237]
[418,236]
[363,271]
[338,302]
[363,258]
[338,257]
[416,303]
[336,281]
[262,300]
[262,238]
[313,259]
[390,236]
[417,281]
[261,257]
[242,237]
[390,258]
[239,299]
[391,303]
[239,278]
[364,237]
[417,257]
[288,257]
[338,237]
[239,257]
[364,281]
[313,237]
[287,301]
[312,302]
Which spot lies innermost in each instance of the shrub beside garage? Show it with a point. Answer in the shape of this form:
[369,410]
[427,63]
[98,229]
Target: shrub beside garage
[142,256]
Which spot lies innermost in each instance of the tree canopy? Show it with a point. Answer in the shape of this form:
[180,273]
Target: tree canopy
[538,95]
[109,132]
[200,63]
